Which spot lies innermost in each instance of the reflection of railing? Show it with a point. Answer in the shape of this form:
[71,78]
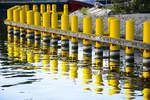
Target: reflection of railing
[31,1]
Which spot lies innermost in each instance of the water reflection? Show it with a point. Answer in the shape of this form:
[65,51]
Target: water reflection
[25,65]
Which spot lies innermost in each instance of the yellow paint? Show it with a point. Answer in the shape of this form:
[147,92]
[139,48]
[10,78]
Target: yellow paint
[109,21]
[87,75]
[27,8]
[35,8]
[64,25]
[54,9]
[87,25]
[10,14]
[37,19]
[146,32]
[30,17]
[48,7]
[16,15]
[99,26]
[146,74]
[42,8]
[66,9]
[54,20]
[65,68]
[146,93]
[22,16]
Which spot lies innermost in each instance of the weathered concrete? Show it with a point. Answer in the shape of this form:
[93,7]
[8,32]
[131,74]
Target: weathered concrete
[93,37]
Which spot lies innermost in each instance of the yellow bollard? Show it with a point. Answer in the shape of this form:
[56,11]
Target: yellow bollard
[146,53]
[30,33]
[146,93]
[35,8]
[16,18]
[22,30]
[23,7]
[114,49]
[37,22]
[74,40]
[54,37]
[109,21]
[66,9]
[99,45]
[65,39]
[10,28]
[129,51]
[42,8]
[27,8]
[46,24]
[48,8]
[54,9]
[87,49]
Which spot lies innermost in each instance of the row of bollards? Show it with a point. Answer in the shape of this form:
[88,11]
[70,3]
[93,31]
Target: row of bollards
[49,19]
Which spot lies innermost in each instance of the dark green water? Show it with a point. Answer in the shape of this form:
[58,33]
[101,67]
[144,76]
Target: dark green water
[27,73]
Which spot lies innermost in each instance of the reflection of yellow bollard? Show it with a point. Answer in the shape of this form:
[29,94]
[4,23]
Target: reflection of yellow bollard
[129,51]
[10,50]
[99,45]
[10,28]
[65,39]
[35,8]
[16,52]
[46,24]
[146,53]
[42,8]
[54,9]
[16,18]
[23,53]
[30,55]
[74,40]
[30,33]
[54,37]
[129,86]
[54,66]
[46,61]
[22,30]
[114,49]
[66,9]
[99,82]
[48,8]
[74,69]
[114,82]
[27,8]
[146,93]
[65,68]
[87,75]
[87,49]
[37,22]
